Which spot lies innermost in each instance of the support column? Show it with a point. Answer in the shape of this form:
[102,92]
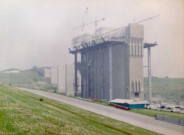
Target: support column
[149,76]
[57,78]
[92,75]
[66,79]
[100,87]
[88,75]
[76,90]
[82,76]
[110,74]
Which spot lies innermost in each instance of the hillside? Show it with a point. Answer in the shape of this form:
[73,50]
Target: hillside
[169,90]
[27,79]
[26,113]
[166,89]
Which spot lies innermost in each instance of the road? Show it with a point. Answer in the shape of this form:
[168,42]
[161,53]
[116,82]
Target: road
[138,120]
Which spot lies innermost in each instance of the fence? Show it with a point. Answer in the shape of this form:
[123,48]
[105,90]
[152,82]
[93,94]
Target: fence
[170,120]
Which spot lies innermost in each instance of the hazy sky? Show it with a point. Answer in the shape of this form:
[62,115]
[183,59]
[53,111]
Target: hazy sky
[39,32]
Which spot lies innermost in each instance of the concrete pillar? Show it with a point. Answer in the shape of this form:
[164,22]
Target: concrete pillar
[88,75]
[149,76]
[100,87]
[82,77]
[110,74]
[75,69]
[66,79]
[57,78]
[92,75]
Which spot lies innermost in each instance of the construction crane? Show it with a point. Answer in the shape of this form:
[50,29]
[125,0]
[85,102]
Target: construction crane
[147,19]
[93,22]
[86,24]
[120,28]
[96,21]
[83,24]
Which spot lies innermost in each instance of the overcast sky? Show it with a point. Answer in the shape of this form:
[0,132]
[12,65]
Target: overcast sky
[39,32]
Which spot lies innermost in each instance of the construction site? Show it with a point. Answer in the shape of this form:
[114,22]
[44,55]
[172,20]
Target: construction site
[111,63]
[108,64]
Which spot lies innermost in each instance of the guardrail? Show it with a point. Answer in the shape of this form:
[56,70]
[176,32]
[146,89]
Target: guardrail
[170,120]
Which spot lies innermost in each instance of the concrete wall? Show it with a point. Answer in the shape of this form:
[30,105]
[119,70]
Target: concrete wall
[105,53]
[99,74]
[54,75]
[119,71]
[95,73]
[47,72]
[63,77]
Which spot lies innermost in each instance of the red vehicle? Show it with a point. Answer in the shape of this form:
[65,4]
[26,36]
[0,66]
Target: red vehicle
[120,106]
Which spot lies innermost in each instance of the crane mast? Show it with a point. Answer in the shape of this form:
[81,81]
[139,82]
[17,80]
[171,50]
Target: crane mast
[147,19]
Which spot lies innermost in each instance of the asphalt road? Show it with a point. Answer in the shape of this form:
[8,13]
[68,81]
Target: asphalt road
[138,120]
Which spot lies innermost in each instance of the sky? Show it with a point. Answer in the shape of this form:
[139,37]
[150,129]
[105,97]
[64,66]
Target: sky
[39,32]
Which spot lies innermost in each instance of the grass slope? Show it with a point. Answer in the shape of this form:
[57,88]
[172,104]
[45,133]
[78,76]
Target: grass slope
[23,113]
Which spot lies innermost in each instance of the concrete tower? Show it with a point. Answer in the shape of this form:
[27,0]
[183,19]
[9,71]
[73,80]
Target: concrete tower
[135,35]
[112,65]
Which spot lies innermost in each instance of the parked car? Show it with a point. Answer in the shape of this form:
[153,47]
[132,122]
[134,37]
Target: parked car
[175,110]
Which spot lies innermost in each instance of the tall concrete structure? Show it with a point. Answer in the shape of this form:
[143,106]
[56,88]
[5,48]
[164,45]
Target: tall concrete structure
[135,34]
[112,64]
[66,79]
[62,76]
[54,75]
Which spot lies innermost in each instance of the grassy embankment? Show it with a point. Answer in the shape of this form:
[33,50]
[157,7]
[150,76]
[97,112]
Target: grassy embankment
[24,113]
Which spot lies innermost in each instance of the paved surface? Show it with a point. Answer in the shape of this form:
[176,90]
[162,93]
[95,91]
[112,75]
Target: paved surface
[138,120]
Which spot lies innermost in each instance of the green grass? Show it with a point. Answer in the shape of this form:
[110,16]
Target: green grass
[23,113]
[170,89]
[152,113]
